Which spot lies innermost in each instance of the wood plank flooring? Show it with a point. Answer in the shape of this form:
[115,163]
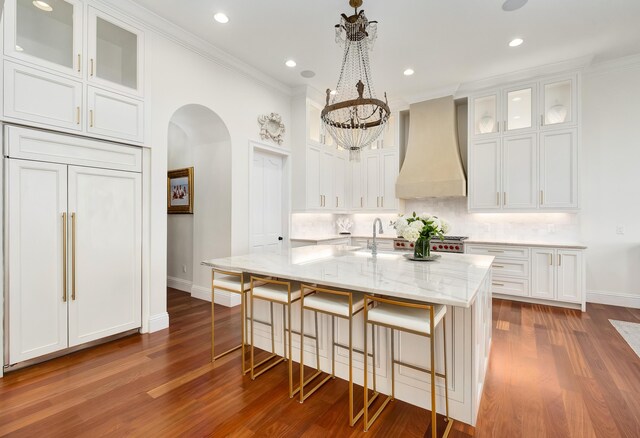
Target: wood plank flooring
[552,373]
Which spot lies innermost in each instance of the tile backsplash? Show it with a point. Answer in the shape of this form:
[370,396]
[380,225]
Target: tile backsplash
[549,227]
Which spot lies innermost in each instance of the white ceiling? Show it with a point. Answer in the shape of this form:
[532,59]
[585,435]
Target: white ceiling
[445,41]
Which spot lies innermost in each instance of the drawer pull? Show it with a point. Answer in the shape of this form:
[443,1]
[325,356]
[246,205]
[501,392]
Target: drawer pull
[498,266]
[497,284]
[500,251]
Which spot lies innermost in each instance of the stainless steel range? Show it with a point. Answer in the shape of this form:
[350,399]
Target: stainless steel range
[449,244]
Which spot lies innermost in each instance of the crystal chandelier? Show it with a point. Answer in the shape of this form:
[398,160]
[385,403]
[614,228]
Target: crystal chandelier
[353,116]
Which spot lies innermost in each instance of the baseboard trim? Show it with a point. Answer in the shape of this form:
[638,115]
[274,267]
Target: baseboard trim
[158,322]
[179,283]
[223,298]
[613,298]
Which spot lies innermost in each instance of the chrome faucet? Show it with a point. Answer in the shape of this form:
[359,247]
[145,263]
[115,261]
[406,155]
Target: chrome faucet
[374,245]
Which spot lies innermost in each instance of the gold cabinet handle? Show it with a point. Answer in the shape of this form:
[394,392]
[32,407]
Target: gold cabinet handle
[64,257]
[498,199]
[91,66]
[336,202]
[382,201]
[497,284]
[361,201]
[550,259]
[541,197]
[77,115]
[504,196]
[91,118]
[541,119]
[497,266]
[73,256]
[504,126]
[559,259]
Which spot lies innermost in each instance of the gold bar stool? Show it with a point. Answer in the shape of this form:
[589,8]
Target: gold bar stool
[280,292]
[233,282]
[340,304]
[419,319]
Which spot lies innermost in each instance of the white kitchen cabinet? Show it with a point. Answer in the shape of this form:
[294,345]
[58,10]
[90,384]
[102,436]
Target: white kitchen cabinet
[327,172]
[48,38]
[371,186]
[357,193]
[519,172]
[569,276]
[559,169]
[114,115]
[312,178]
[340,167]
[485,115]
[520,109]
[379,175]
[116,53]
[485,177]
[325,179]
[558,102]
[36,263]
[105,207]
[75,242]
[33,95]
[543,273]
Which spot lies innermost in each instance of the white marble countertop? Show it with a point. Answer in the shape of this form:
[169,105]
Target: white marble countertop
[454,279]
[535,243]
[326,237]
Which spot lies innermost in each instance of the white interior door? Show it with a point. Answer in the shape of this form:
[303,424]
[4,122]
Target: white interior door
[266,202]
[37,308]
[106,235]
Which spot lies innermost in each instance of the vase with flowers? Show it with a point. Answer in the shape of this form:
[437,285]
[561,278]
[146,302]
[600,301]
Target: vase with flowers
[419,230]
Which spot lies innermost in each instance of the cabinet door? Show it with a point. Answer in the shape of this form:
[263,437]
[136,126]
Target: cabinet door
[371,163]
[36,96]
[314,196]
[314,124]
[485,115]
[569,276]
[388,177]
[484,175]
[37,199]
[520,109]
[558,102]
[106,252]
[559,169]
[114,115]
[339,181]
[48,34]
[519,176]
[115,53]
[327,173]
[357,195]
[543,273]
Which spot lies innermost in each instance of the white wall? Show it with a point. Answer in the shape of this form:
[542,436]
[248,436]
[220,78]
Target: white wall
[611,187]
[176,76]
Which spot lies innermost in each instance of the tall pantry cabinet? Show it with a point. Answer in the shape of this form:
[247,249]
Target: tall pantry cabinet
[74,241]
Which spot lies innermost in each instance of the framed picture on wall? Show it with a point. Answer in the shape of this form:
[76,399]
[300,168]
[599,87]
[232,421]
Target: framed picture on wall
[180,191]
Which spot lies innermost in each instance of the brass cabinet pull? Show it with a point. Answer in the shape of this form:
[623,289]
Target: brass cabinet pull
[498,199]
[551,259]
[504,126]
[336,201]
[504,197]
[497,266]
[64,257]
[91,118]
[497,284]
[73,256]
[541,197]
[559,259]
[77,115]
[361,202]
[496,250]
[382,201]
[91,67]
[541,119]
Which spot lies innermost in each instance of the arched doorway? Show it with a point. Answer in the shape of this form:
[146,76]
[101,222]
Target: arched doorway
[198,138]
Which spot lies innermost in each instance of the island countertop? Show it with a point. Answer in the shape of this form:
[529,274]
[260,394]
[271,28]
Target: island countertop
[454,279]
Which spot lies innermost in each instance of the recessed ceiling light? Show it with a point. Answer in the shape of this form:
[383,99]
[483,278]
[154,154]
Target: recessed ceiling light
[516,42]
[512,5]
[290,63]
[333,92]
[42,5]
[221,17]
[19,48]
[409,72]
[517,99]
[307,73]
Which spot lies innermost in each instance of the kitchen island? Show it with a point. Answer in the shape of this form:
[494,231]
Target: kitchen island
[460,281]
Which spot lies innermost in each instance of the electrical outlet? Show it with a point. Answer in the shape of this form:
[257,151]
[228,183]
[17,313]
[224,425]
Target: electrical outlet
[619,229]
[184,268]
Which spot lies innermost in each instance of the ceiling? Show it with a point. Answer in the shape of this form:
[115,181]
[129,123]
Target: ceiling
[446,42]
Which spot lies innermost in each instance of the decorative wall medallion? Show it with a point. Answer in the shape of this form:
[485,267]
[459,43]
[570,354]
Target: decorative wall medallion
[271,127]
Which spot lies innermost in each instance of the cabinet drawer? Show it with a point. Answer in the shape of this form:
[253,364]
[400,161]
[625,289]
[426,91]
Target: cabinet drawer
[499,251]
[37,96]
[510,286]
[511,267]
[31,144]
[114,115]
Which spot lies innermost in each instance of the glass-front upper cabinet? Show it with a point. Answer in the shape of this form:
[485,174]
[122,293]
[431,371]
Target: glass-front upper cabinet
[486,117]
[520,108]
[48,33]
[558,102]
[115,53]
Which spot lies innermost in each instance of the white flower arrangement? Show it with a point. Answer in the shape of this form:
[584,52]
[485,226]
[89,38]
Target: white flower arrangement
[426,226]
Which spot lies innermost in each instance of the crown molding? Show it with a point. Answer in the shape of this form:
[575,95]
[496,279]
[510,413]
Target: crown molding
[434,93]
[575,64]
[618,64]
[155,23]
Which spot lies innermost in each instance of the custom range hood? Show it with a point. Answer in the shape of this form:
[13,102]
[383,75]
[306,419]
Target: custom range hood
[432,166]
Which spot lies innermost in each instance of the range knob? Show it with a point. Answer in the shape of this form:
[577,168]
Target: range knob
[435,247]
[411,245]
[440,246]
[446,247]
[457,247]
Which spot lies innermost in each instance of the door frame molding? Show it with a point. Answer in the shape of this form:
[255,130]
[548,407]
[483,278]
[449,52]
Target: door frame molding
[285,154]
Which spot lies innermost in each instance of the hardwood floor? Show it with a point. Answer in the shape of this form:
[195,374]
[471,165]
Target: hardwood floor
[552,373]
